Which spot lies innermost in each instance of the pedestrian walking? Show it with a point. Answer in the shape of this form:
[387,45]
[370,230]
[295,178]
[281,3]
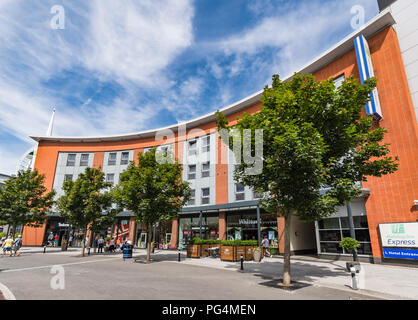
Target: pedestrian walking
[112,245]
[70,241]
[100,242]
[56,240]
[17,245]
[265,245]
[95,244]
[7,246]
[50,239]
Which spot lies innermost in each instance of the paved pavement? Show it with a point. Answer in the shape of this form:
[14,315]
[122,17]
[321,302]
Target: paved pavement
[104,276]
[97,277]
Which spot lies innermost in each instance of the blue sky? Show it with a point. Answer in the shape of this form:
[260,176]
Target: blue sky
[130,65]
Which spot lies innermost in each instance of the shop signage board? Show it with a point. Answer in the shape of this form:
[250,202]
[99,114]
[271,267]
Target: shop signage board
[400,235]
[365,65]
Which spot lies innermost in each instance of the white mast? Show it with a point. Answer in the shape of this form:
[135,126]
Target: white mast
[51,124]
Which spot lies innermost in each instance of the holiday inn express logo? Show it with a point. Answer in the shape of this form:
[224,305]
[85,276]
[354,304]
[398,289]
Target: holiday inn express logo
[398,228]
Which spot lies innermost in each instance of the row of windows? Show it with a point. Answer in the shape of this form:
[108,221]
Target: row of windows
[205,171]
[110,177]
[192,145]
[205,197]
[84,159]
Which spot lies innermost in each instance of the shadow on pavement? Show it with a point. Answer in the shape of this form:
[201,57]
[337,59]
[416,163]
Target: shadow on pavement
[300,272]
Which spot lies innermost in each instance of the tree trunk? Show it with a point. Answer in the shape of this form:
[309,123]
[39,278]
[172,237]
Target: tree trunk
[150,240]
[13,231]
[286,262]
[83,246]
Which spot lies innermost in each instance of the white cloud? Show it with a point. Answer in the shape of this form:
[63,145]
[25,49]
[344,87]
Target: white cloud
[298,32]
[130,42]
[138,39]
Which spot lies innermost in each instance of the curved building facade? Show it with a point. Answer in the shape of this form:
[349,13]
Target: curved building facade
[221,208]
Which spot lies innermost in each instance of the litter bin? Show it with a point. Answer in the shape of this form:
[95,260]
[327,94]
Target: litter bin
[127,251]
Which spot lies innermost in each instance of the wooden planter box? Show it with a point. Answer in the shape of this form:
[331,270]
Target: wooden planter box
[249,253]
[227,253]
[239,251]
[203,251]
[193,251]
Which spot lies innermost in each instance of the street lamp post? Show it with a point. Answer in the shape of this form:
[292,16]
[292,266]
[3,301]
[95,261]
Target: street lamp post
[351,224]
[258,226]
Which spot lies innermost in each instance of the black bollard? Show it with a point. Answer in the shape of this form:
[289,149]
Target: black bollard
[88,251]
[44,249]
[242,263]
[179,256]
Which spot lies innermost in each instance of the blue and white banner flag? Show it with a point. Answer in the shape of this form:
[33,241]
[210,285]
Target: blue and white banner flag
[364,61]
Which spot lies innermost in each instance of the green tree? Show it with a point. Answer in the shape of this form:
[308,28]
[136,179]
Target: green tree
[87,202]
[153,190]
[24,200]
[316,148]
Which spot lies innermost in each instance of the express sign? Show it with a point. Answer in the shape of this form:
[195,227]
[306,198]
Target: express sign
[399,234]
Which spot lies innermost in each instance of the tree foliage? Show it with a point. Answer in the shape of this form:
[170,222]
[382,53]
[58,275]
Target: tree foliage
[316,146]
[87,202]
[24,199]
[153,190]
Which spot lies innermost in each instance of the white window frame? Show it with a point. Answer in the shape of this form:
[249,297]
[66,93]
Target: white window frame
[206,144]
[192,200]
[72,161]
[84,163]
[67,177]
[205,173]
[108,159]
[241,193]
[205,199]
[192,151]
[122,159]
[107,178]
[190,173]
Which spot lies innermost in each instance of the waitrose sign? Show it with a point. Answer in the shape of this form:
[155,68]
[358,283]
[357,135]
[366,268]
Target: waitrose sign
[399,234]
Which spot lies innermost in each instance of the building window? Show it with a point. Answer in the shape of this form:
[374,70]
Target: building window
[192,147]
[125,158]
[164,150]
[257,195]
[192,172]
[147,150]
[192,200]
[338,81]
[84,160]
[112,159]
[333,230]
[71,160]
[205,196]
[68,177]
[206,169]
[239,192]
[110,177]
[206,144]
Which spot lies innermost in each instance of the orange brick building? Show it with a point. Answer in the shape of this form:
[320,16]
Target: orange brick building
[224,209]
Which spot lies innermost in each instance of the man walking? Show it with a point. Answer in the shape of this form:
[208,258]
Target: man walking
[100,242]
[7,246]
[265,245]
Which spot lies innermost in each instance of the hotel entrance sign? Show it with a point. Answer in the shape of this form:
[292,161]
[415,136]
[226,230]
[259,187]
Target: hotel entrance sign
[365,65]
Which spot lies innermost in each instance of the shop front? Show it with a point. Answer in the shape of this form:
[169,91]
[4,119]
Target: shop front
[203,225]
[243,225]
